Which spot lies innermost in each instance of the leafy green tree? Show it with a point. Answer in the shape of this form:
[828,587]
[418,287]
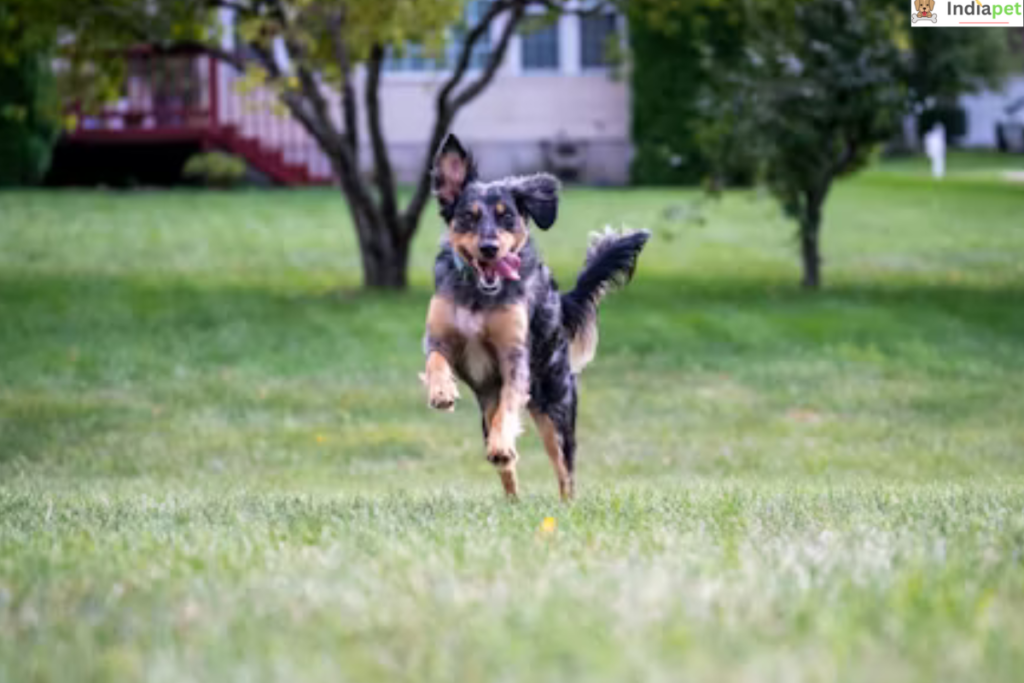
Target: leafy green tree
[823,85]
[797,92]
[677,48]
[29,113]
[296,47]
[948,63]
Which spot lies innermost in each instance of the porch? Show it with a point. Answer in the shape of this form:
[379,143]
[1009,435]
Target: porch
[176,103]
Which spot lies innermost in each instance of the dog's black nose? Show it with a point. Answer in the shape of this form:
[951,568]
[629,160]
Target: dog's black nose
[488,250]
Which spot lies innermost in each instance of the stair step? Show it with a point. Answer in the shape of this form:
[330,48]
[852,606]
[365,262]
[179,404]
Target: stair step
[268,159]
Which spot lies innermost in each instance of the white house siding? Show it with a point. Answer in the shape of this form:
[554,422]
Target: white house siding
[508,123]
[985,109]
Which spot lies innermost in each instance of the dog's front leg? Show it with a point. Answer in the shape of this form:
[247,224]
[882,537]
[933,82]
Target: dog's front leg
[438,376]
[440,381]
[506,332]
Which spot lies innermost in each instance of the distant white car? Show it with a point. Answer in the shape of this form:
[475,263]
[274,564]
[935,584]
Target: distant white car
[1010,128]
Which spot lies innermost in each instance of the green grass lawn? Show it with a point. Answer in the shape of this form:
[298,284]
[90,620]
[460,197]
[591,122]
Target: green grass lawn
[216,460]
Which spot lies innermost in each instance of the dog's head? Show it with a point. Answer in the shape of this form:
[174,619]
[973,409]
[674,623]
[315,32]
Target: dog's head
[488,222]
[924,5]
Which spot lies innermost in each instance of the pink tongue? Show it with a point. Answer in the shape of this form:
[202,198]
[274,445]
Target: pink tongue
[508,267]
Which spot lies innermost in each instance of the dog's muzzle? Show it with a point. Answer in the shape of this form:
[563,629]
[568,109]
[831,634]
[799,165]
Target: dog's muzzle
[490,274]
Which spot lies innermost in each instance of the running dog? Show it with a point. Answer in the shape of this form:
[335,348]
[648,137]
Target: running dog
[497,321]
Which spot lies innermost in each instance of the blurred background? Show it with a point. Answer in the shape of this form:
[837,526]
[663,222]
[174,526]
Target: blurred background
[801,442]
[359,94]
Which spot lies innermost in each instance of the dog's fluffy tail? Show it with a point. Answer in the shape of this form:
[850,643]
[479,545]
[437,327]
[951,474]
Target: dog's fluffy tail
[611,260]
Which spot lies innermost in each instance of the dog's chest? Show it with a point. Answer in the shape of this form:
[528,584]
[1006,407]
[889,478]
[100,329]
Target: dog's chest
[477,358]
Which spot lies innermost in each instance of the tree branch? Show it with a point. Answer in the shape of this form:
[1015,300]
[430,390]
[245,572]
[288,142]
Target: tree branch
[850,149]
[446,109]
[348,95]
[472,38]
[233,58]
[382,163]
[497,56]
[323,128]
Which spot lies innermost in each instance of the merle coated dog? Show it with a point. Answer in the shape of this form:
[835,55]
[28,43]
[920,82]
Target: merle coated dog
[497,321]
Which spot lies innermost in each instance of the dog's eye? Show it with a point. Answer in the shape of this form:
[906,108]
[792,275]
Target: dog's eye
[507,220]
[466,220]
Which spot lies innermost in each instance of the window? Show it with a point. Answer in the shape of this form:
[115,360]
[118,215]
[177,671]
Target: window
[540,47]
[596,35]
[415,58]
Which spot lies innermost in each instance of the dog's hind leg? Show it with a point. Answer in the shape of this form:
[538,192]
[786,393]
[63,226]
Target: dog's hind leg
[557,430]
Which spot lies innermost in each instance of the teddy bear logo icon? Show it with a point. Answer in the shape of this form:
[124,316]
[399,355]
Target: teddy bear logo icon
[924,11]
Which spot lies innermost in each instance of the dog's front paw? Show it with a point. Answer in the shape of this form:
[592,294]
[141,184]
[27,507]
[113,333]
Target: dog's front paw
[501,454]
[442,393]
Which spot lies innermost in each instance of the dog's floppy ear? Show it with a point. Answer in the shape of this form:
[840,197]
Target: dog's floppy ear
[453,168]
[537,196]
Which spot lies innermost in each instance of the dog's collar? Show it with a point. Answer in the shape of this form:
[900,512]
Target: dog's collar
[461,266]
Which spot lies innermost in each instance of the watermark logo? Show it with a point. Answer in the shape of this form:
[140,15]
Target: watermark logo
[926,13]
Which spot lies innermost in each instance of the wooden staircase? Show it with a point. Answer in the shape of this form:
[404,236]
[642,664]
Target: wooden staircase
[188,97]
[263,157]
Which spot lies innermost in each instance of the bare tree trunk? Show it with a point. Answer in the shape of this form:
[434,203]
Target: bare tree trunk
[810,242]
[384,253]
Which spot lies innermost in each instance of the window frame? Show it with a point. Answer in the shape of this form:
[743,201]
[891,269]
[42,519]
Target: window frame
[618,30]
[449,53]
[557,68]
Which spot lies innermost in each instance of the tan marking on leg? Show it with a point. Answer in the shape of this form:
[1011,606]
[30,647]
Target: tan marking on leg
[506,470]
[441,389]
[506,466]
[440,317]
[506,331]
[510,482]
[438,377]
[553,445]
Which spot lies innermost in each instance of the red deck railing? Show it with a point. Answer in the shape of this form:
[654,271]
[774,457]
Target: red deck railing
[190,96]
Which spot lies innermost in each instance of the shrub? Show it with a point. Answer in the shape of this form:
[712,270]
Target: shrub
[29,119]
[215,169]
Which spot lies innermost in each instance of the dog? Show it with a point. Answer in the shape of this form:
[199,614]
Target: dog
[497,321]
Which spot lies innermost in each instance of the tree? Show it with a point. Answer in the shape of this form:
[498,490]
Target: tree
[29,115]
[675,49]
[949,63]
[298,47]
[822,86]
[946,64]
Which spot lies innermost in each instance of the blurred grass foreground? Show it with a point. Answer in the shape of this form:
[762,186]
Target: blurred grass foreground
[216,464]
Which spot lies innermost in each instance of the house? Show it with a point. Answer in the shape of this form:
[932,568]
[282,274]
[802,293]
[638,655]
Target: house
[554,103]
[985,110]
